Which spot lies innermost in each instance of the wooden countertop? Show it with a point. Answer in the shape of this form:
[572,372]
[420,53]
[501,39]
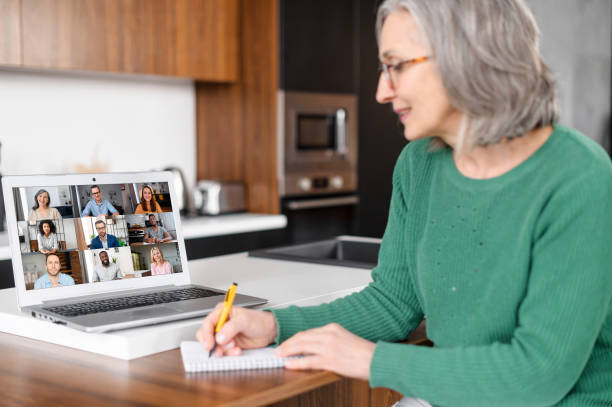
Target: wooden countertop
[39,373]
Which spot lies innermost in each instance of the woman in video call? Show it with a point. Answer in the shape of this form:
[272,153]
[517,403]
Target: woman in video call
[41,208]
[147,204]
[47,237]
[158,264]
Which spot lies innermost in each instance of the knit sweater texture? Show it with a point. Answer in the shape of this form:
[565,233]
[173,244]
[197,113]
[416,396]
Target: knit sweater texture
[513,274]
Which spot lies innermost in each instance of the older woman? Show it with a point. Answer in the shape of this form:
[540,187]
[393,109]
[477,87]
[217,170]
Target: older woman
[42,208]
[499,230]
[147,204]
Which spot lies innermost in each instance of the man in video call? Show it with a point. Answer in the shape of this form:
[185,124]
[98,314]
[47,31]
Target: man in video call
[103,240]
[98,207]
[156,233]
[106,271]
[53,278]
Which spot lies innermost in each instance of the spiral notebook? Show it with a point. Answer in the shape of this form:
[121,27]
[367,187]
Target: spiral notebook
[196,359]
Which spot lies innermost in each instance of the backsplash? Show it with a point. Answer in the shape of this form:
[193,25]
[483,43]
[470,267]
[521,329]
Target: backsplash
[56,122]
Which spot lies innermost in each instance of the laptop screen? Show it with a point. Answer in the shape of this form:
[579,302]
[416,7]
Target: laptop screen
[89,234]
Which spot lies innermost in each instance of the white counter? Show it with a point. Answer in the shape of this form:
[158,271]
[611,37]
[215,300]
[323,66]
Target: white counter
[282,282]
[204,226]
[207,226]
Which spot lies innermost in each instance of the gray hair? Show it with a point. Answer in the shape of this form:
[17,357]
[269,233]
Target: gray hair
[41,191]
[488,57]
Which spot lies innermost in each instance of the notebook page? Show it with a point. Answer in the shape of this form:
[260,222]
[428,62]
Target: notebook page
[196,359]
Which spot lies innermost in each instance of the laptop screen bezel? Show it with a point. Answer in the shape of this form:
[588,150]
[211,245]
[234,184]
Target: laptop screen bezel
[34,297]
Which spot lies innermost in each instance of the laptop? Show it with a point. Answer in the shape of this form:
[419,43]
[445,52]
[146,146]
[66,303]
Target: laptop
[102,252]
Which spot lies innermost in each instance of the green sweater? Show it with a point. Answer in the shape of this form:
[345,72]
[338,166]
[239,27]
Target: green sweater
[514,274]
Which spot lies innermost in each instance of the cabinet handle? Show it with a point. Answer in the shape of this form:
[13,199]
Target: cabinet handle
[322,203]
[341,131]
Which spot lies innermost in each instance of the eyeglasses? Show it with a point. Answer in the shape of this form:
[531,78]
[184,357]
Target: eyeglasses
[96,193]
[392,71]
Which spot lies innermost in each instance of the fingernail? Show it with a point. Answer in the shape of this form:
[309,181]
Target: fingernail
[220,338]
[229,345]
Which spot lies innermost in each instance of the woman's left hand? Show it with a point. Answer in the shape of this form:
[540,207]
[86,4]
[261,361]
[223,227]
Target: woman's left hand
[330,348]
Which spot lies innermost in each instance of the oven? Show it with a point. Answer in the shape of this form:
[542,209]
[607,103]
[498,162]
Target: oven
[317,167]
[317,143]
[311,219]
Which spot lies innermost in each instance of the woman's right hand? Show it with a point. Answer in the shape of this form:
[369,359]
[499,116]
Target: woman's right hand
[245,329]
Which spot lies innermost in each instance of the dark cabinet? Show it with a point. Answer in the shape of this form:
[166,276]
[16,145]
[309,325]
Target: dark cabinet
[317,46]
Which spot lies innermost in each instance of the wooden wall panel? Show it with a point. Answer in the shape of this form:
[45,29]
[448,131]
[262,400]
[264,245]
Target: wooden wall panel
[236,124]
[191,38]
[10,32]
[220,132]
[260,48]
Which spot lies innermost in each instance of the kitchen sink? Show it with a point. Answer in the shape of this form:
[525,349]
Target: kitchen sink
[348,251]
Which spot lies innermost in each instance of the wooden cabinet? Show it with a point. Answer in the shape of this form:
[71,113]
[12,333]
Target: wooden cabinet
[10,32]
[189,38]
[236,124]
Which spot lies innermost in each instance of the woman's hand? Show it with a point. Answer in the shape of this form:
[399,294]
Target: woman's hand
[245,329]
[330,348]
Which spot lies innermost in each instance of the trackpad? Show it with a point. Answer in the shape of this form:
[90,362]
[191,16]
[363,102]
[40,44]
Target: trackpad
[151,312]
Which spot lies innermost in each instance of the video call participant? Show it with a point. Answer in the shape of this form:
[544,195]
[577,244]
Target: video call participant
[156,233]
[106,271]
[158,264]
[53,278]
[98,207]
[47,237]
[103,240]
[41,209]
[148,203]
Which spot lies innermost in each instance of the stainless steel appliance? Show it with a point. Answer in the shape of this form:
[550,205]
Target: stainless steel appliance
[136,236]
[183,191]
[317,167]
[216,197]
[317,143]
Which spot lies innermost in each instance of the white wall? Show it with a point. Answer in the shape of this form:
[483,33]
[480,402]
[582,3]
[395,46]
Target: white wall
[55,122]
[70,226]
[575,43]
[34,263]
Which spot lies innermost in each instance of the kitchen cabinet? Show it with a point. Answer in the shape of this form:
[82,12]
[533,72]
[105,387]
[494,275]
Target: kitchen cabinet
[10,37]
[318,51]
[226,244]
[381,138]
[236,123]
[188,38]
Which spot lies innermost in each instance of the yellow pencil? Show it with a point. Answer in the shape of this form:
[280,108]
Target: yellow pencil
[227,306]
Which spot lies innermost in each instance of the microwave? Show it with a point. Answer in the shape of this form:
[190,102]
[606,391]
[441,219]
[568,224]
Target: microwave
[317,143]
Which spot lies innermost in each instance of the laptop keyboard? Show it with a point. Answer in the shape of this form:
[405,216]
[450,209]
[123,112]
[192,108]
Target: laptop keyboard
[119,303]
